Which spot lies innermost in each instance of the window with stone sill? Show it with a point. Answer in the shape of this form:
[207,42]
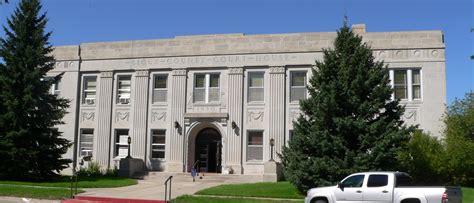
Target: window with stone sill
[406,84]
[89,90]
[297,85]
[160,91]
[124,90]
[158,143]
[121,142]
[86,142]
[255,146]
[206,88]
[256,87]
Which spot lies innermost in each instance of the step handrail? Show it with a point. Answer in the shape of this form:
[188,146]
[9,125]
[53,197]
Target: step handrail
[168,192]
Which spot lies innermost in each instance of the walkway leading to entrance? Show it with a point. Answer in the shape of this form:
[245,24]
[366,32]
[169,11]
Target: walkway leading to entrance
[153,188]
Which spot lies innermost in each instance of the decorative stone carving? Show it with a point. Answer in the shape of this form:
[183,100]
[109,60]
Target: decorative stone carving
[255,115]
[64,64]
[417,53]
[410,114]
[179,72]
[383,54]
[434,53]
[277,69]
[122,116]
[157,116]
[87,116]
[107,74]
[142,73]
[236,71]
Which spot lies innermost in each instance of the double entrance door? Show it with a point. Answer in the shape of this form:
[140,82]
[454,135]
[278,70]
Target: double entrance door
[208,151]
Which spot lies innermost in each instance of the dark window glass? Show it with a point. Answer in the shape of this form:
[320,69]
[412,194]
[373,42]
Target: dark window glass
[354,181]
[377,180]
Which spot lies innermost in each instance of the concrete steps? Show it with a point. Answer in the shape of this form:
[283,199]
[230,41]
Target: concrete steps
[202,177]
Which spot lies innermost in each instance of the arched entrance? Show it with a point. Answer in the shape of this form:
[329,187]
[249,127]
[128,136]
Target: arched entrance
[208,150]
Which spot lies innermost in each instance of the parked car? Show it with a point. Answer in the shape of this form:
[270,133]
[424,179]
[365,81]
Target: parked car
[383,187]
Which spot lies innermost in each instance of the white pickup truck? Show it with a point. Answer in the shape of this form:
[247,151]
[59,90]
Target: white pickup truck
[382,187]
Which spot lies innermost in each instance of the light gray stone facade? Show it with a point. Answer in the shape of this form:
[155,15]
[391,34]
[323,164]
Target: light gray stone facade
[223,96]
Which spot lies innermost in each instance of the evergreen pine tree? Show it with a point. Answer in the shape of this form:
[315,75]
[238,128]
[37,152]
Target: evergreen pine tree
[349,122]
[30,145]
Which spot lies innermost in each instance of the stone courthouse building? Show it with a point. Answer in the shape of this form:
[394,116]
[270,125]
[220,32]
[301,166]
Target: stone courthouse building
[220,99]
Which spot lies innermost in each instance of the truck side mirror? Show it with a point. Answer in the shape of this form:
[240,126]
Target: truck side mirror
[340,186]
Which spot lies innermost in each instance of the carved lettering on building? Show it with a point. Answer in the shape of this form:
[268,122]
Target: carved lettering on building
[255,115]
[124,116]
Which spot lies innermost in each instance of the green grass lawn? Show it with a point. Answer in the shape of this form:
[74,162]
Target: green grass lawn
[271,190]
[37,193]
[83,182]
[468,195]
[191,199]
[59,187]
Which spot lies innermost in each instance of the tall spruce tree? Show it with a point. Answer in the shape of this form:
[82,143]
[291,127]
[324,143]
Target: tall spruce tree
[349,123]
[30,145]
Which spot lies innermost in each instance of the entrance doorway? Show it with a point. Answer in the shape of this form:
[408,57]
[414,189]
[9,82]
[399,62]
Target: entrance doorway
[208,151]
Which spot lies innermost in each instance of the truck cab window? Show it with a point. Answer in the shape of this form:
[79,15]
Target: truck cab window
[354,181]
[377,180]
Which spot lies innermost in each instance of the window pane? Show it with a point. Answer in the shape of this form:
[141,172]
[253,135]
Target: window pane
[298,79]
[160,81]
[214,80]
[90,83]
[255,79]
[416,76]
[86,142]
[200,81]
[377,181]
[124,82]
[199,95]
[158,154]
[416,92]
[297,93]
[255,138]
[354,181]
[400,77]
[160,95]
[254,153]
[400,92]
[214,94]
[255,94]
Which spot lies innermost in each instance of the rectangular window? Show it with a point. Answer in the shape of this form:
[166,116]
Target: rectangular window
[89,92]
[377,181]
[121,142]
[158,138]
[124,89]
[400,84]
[255,146]
[416,84]
[297,86]
[256,88]
[160,91]
[86,142]
[206,88]
[55,88]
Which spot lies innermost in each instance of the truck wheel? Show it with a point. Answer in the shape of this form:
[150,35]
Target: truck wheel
[318,201]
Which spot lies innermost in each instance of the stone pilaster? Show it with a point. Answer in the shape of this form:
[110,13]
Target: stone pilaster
[235,105]
[140,110]
[104,117]
[276,112]
[174,157]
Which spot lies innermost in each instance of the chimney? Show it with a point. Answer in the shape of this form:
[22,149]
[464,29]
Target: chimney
[358,28]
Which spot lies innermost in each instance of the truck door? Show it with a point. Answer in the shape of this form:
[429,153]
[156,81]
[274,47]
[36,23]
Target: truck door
[378,189]
[350,189]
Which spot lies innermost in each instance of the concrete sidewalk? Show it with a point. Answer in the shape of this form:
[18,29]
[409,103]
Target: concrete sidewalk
[153,188]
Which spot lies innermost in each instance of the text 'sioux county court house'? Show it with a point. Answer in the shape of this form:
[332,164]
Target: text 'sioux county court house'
[220,99]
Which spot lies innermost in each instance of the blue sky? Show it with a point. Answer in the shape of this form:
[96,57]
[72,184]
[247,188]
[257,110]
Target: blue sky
[79,21]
